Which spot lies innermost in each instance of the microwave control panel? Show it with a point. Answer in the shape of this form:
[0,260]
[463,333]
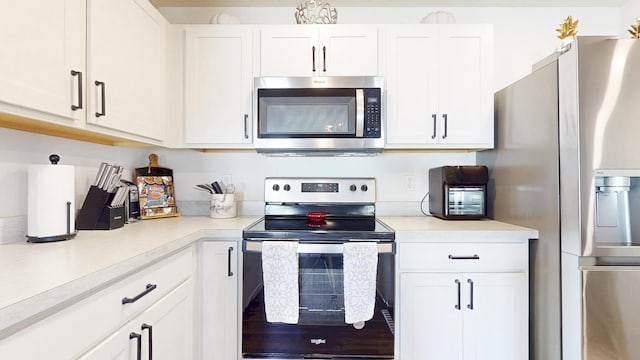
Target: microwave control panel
[372,113]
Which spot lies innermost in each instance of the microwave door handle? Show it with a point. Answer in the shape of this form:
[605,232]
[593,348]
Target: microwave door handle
[359,113]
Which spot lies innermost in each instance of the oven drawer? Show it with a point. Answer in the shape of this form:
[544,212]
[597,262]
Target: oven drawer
[457,257]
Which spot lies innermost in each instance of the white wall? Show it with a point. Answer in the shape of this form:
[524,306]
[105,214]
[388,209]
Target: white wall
[629,13]
[522,36]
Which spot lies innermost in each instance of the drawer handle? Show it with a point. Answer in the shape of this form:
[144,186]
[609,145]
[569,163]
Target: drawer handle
[454,257]
[457,306]
[138,338]
[150,328]
[149,288]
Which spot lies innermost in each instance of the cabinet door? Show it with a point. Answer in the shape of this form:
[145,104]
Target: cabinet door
[42,42]
[412,85]
[430,316]
[219,304]
[439,86]
[348,50]
[218,85]
[126,60]
[163,331]
[496,317]
[289,50]
[465,109]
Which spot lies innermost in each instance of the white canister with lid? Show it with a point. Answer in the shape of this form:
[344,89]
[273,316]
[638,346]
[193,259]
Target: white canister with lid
[50,202]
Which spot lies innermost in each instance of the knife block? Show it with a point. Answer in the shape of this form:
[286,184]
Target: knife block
[96,214]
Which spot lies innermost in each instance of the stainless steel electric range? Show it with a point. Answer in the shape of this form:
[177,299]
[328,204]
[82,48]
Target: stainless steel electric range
[321,215]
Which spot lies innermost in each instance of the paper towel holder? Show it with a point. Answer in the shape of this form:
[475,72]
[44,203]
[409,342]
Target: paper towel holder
[70,233]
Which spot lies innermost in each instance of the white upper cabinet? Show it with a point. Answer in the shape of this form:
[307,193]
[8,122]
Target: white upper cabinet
[126,63]
[439,86]
[318,50]
[218,86]
[42,43]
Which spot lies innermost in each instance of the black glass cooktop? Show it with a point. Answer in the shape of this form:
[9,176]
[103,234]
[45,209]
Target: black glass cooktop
[330,229]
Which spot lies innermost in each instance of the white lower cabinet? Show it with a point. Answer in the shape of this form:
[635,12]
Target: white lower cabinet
[219,314]
[98,326]
[474,314]
[164,331]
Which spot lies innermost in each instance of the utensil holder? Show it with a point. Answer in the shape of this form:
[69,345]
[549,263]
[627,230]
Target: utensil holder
[223,206]
[97,214]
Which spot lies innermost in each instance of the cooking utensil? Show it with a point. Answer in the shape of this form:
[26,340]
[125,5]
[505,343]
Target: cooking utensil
[217,188]
[205,187]
[101,170]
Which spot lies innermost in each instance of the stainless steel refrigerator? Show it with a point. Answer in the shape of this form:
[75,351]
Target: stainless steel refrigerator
[567,163]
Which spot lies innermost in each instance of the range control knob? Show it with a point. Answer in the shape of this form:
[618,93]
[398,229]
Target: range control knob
[276,187]
[353,188]
[287,187]
[364,188]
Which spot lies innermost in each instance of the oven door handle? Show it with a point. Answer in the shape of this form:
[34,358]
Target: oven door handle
[317,248]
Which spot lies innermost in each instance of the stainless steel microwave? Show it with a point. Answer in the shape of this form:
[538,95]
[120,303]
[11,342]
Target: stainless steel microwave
[319,115]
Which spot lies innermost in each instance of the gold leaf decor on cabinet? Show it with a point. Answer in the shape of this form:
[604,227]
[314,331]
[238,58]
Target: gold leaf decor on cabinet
[568,29]
[635,30]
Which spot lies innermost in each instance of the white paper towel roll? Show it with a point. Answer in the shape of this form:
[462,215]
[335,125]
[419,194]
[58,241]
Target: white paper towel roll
[50,188]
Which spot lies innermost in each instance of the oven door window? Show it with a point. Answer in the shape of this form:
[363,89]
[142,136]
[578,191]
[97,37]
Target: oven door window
[321,289]
[306,113]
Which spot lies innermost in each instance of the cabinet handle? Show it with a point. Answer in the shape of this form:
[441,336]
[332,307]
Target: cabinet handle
[313,58]
[444,116]
[458,285]
[150,328]
[324,59]
[138,338]
[148,289]
[454,257]
[79,75]
[229,272]
[435,120]
[246,126]
[104,111]
[470,306]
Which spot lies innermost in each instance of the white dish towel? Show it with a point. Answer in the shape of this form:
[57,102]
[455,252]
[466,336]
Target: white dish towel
[280,276]
[360,264]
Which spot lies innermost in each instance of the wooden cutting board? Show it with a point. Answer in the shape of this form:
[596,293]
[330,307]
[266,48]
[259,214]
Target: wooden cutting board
[156,190]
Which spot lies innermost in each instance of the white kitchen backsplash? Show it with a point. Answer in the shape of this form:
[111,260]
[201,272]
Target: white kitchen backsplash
[401,176]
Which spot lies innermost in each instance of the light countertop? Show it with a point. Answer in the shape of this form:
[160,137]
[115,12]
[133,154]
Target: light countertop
[38,279]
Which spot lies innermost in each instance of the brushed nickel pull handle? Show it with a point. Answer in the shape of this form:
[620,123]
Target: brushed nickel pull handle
[313,58]
[444,116]
[434,117]
[79,75]
[104,111]
[138,338]
[457,306]
[148,289]
[454,257]
[470,306]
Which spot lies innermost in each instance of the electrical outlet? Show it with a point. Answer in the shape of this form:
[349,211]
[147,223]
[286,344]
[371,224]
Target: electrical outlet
[410,182]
